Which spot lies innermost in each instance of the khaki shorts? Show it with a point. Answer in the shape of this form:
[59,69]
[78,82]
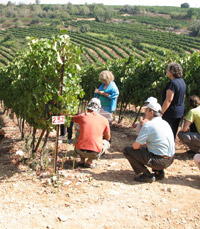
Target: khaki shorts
[91,154]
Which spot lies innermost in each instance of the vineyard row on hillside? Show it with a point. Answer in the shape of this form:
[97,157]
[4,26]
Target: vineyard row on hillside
[106,40]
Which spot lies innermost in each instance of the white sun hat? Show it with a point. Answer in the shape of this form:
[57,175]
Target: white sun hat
[151,100]
[94,104]
[154,106]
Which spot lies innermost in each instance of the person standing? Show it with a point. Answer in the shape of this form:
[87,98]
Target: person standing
[68,131]
[108,93]
[173,97]
[94,134]
[154,147]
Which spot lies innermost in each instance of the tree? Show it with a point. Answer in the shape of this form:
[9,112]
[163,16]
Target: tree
[185,5]
[84,10]
[108,14]
[137,40]
[136,9]
[99,13]
[84,28]
[35,20]
[10,3]
[126,9]
[190,13]
[72,9]
[195,28]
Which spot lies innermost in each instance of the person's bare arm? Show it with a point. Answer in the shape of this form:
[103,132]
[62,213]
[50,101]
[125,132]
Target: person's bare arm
[2,132]
[136,145]
[168,100]
[186,126]
[107,136]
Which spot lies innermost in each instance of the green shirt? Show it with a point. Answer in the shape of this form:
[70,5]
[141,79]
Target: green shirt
[194,116]
[105,102]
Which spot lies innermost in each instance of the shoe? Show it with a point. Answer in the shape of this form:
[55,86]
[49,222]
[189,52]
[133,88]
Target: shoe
[159,174]
[91,166]
[145,178]
[85,165]
[81,164]
[190,152]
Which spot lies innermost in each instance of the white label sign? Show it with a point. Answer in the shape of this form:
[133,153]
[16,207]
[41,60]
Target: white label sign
[57,120]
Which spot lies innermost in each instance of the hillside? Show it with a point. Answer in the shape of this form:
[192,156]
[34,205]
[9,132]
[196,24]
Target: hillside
[105,32]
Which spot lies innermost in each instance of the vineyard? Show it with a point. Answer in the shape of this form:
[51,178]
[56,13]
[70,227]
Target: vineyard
[107,41]
[137,50]
[50,60]
[140,35]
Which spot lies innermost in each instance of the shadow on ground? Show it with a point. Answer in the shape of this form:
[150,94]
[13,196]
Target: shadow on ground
[188,155]
[7,166]
[127,177]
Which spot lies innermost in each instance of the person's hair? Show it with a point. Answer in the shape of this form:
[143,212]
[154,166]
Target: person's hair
[194,101]
[156,113]
[175,69]
[107,76]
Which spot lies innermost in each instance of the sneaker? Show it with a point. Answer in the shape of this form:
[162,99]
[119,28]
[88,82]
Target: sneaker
[85,165]
[159,174]
[90,166]
[145,178]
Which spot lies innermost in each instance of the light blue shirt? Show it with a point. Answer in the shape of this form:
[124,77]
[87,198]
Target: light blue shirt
[158,136]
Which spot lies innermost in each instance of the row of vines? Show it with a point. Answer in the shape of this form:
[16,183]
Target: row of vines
[139,79]
[106,41]
[49,79]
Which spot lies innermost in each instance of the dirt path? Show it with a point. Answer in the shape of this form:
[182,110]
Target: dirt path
[105,197]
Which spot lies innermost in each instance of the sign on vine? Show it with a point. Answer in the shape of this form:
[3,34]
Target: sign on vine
[58,120]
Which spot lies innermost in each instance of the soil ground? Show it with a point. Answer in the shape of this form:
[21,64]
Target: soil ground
[106,197]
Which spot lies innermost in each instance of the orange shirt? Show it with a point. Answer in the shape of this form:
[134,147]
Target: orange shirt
[92,127]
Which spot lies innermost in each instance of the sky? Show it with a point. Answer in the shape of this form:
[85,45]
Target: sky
[192,3]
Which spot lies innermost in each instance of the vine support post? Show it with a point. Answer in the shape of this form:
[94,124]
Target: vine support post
[137,115]
[43,150]
[56,148]
[57,127]
[33,141]
[38,143]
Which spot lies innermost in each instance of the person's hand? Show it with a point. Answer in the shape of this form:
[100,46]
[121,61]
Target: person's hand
[96,90]
[99,92]
[143,121]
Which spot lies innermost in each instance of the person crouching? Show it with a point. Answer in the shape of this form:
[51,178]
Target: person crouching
[154,146]
[94,134]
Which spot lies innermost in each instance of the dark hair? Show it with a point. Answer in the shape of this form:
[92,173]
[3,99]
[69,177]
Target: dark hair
[194,101]
[175,69]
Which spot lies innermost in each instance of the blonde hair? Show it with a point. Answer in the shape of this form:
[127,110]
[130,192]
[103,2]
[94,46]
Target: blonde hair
[107,76]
